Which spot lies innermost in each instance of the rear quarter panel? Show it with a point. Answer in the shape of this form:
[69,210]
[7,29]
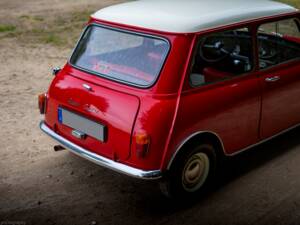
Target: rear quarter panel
[230,109]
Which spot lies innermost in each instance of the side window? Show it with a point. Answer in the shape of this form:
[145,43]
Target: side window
[278,42]
[223,55]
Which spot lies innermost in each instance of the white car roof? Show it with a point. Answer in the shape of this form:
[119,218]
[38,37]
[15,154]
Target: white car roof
[189,16]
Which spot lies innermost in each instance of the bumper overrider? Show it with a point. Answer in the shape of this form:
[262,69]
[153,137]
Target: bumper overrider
[100,160]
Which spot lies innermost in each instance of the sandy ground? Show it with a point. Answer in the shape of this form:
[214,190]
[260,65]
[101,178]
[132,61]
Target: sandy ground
[40,186]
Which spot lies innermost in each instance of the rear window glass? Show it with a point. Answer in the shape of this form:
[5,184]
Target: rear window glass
[119,55]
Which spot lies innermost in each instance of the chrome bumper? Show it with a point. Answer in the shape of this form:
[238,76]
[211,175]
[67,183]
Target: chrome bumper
[100,160]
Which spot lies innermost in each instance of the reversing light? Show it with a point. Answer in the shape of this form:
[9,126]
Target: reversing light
[142,144]
[42,102]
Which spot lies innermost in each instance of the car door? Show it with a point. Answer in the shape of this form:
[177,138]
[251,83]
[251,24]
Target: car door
[222,95]
[279,61]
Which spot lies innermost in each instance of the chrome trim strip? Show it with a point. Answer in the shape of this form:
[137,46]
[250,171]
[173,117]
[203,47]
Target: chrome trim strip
[100,160]
[264,140]
[226,154]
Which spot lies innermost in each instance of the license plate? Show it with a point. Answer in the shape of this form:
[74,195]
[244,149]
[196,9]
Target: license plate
[82,124]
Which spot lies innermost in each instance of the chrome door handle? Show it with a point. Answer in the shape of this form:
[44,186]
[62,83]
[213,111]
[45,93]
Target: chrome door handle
[272,79]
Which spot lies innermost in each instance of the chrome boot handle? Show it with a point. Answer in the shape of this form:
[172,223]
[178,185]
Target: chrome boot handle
[272,79]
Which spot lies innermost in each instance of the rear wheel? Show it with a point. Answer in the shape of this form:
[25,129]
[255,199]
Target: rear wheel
[191,173]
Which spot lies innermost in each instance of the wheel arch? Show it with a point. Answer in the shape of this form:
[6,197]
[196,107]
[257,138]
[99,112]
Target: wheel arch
[207,137]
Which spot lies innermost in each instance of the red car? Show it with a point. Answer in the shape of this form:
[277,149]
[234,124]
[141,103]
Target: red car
[165,89]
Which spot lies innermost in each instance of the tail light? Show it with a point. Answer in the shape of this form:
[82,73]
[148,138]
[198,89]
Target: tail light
[42,102]
[142,144]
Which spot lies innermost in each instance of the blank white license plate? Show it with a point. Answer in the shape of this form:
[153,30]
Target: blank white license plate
[82,124]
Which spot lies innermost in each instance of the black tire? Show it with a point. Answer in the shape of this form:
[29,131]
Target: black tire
[192,172]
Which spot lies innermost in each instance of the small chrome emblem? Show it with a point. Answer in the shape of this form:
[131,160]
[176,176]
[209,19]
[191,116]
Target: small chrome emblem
[91,108]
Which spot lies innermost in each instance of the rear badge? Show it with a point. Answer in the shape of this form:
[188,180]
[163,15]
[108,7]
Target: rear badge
[91,108]
[73,103]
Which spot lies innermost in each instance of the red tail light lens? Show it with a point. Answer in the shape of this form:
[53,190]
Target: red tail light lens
[42,103]
[142,145]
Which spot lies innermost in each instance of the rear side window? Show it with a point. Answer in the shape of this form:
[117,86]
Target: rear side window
[122,56]
[222,56]
[278,42]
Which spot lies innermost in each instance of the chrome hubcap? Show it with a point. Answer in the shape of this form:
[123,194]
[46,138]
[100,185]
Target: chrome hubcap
[195,172]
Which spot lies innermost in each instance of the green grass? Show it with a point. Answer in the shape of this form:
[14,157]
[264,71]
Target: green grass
[52,39]
[7,28]
[295,3]
[60,30]
[64,30]
[28,17]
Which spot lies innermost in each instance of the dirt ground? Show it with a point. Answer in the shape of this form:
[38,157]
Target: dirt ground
[40,186]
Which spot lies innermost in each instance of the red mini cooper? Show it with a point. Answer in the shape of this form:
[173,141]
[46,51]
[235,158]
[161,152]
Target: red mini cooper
[166,88]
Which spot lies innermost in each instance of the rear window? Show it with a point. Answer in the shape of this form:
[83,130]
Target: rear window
[122,56]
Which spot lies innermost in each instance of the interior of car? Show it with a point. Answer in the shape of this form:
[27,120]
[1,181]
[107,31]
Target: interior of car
[278,42]
[222,55]
[227,54]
